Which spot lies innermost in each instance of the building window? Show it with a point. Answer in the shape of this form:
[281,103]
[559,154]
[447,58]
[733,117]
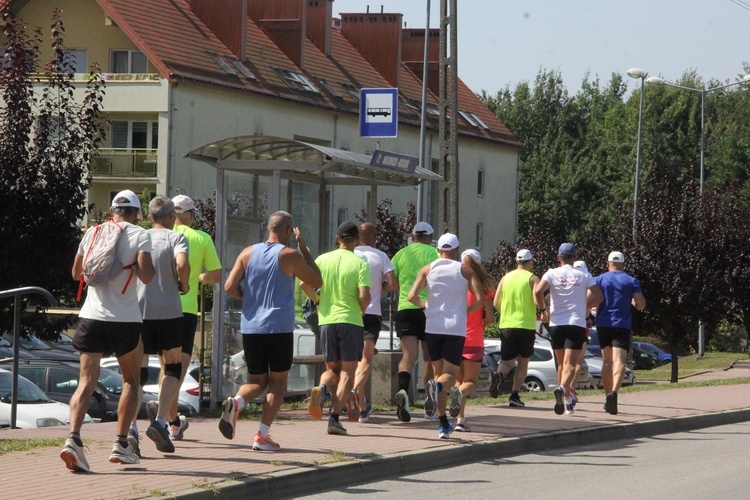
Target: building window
[480,182]
[351,90]
[479,121]
[135,135]
[468,119]
[296,80]
[329,88]
[127,61]
[480,231]
[79,60]
[343,215]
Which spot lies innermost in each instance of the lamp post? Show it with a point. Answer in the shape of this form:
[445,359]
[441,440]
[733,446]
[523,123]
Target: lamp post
[655,80]
[638,73]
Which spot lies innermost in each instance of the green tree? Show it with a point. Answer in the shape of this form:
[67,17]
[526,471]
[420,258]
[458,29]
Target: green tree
[46,143]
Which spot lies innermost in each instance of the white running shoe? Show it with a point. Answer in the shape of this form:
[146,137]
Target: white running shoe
[74,456]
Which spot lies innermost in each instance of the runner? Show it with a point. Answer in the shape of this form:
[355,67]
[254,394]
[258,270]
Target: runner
[579,264]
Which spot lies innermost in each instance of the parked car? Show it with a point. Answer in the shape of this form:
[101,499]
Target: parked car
[593,345]
[39,349]
[595,370]
[63,343]
[59,380]
[34,408]
[664,356]
[188,403]
[6,351]
[542,371]
[644,360]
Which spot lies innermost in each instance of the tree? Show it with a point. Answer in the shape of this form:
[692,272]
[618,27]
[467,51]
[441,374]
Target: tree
[393,230]
[46,143]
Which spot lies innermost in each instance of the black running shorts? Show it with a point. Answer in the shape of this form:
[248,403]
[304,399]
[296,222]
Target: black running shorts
[162,334]
[268,352]
[568,337]
[106,337]
[410,322]
[614,337]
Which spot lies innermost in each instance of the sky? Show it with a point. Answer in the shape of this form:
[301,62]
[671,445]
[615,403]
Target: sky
[504,42]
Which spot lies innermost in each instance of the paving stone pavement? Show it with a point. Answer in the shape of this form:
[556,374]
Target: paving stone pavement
[206,464]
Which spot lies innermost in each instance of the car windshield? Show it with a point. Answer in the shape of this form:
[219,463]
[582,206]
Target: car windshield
[31,343]
[111,380]
[27,392]
[651,348]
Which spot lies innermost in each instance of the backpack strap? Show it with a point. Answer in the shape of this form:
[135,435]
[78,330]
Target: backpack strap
[130,278]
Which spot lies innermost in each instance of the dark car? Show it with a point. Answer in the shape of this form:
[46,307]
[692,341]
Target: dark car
[39,349]
[644,360]
[59,381]
[63,342]
[6,351]
[665,357]
[593,345]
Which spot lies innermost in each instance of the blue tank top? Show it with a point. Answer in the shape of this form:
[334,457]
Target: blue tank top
[268,294]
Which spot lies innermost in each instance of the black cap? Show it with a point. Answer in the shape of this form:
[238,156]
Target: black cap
[347,231]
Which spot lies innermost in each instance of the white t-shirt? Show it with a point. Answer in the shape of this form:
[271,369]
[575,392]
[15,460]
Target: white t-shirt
[568,286]
[106,302]
[447,299]
[160,299]
[380,265]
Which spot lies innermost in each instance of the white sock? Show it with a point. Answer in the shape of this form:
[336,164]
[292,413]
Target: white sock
[240,402]
[264,429]
[461,420]
[134,427]
[162,421]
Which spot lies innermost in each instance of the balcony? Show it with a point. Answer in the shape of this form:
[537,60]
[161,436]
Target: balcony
[116,162]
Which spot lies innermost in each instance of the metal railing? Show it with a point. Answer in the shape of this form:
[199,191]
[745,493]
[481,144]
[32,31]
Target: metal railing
[16,293]
[124,162]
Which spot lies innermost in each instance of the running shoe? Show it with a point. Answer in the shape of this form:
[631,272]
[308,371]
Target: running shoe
[515,401]
[176,432]
[430,404]
[134,440]
[573,397]
[569,406]
[74,456]
[160,436]
[610,403]
[230,410]
[265,443]
[364,416]
[352,407]
[462,427]
[402,406]
[335,428]
[316,402]
[445,432]
[123,455]
[559,406]
[495,385]
[152,410]
[456,398]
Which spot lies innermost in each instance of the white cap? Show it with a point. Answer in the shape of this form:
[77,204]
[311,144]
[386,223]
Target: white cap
[423,228]
[183,204]
[473,254]
[524,255]
[581,265]
[130,200]
[448,241]
[616,257]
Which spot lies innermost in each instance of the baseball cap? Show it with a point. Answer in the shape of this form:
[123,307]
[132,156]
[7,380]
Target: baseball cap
[581,265]
[616,257]
[131,200]
[448,241]
[473,254]
[567,250]
[423,228]
[524,255]
[183,204]
[347,230]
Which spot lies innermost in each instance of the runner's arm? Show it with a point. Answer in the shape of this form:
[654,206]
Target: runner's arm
[234,283]
[183,271]
[77,267]
[390,282]
[639,301]
[364,298]
[595,298]
[145,268]
[418,286]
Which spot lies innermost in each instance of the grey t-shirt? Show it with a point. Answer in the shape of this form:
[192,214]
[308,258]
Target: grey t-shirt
[160,299]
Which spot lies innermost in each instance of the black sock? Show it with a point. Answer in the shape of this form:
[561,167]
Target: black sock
[123,440]
[335,417]
[404,380]
[514,394]
[76,437]
[443,420]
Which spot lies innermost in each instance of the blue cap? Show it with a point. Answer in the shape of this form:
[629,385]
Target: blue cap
[567,250]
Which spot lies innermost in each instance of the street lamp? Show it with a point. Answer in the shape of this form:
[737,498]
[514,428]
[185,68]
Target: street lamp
[655,80]
[638,73]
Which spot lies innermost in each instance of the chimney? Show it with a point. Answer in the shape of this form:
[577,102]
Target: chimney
[319,24]
[283,21]
[378,38]
[227,20]
[412,54]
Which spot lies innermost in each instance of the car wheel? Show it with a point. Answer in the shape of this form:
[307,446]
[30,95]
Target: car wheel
[533,384]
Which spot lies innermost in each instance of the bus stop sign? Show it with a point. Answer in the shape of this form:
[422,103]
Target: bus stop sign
[378,113]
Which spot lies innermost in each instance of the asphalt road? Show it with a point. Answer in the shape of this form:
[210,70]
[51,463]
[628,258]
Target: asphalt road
[710,463]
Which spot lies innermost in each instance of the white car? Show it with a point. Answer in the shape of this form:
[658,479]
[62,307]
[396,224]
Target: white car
[34,408]
[189,394]
[595,370]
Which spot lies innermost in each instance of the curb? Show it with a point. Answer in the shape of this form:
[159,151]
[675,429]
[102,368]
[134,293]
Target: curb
[316,479]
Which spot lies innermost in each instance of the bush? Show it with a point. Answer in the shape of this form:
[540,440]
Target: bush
[729,337]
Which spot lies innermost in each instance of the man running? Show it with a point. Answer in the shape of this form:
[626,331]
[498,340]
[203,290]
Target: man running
[110,321]
[566,315]
[514,298]
[344,297]
[410,319]
[613,324]
[382,279]
[447,281]
[263,277]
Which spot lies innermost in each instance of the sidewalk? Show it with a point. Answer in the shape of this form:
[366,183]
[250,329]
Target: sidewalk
[206,464]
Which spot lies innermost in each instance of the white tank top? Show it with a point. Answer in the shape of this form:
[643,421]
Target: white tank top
[446,299]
